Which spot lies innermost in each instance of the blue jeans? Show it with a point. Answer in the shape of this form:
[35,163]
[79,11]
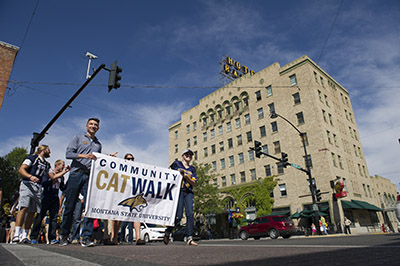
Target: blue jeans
[76,228]
[130,231]
[77,183]
[185,200]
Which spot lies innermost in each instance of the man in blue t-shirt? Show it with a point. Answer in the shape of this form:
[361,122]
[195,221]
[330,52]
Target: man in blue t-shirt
[33,168]
[51,184]
[189,180]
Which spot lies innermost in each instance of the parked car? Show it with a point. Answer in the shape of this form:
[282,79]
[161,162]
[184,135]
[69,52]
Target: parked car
[149,232]
[268,226]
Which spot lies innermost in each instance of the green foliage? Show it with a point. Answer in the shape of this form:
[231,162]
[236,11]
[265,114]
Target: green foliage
[9,166]
[257,192]
[206,199]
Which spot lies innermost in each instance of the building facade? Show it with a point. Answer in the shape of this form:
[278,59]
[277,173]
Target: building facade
[222,128]
[8,53]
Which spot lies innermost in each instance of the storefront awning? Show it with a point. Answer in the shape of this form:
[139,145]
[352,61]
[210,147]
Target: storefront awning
[359,205]
[366,205]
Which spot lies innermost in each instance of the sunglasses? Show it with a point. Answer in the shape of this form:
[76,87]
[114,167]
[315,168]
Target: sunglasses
[130,159]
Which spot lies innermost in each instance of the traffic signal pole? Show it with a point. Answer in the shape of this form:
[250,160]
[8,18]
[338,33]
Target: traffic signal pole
[37,137]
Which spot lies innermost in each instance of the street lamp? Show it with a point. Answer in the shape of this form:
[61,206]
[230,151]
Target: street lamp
[310,180]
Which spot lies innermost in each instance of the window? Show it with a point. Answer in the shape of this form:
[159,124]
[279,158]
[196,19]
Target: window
[188,143]
[212,117]
[355,150]
[296,98]
[214,165]
[212,133]
[364,171]
[231,161]
[242,177]
[258,96]
[228,127]
[213,149]
[241,158]
[223,181]
[293,80]
[215,182]
[316,77]
[269,91]
[345,112]
[249,137]
[351,117]
[320,95]
[340,161]
[277,147]
[237,121]
[282,189]
[304,135]
[239,140]
[324,115]
[262,131]
[246,101]
[221,146]
[237,106]
[220,114]
[268,170]
[195,155]
[176,134]
[247,119]
[233,179]
[204,121]
[274,127]
[194,126]
[220,130]
[369,191]
[222,162]
[300,118]
[260,113]
[355,134]
[365,190]
[330,119]
[326,100]
[335,140]
[228,110]
[251,155]
[265,149]
[176,148]
[271,107]
[187,128]
[328,133]
[253,174]
[322,82]
[347,100]
[279,166]
[230,143]
[205,152]
[205,136]
[194,140]
[334,159]
[359,152]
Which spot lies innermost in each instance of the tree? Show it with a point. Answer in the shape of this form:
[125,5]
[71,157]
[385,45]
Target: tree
[9,166]
[206,199]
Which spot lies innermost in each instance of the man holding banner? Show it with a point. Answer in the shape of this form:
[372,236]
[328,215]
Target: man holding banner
[80,150]
[189,175]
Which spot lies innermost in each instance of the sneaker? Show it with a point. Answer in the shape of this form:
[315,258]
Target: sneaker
[54,241]
[63,241]
[75,241]
[140,242]
[87,243]
[34,242]
[25,241]
[15,240]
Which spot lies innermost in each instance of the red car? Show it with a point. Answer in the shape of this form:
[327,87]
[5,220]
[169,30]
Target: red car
[268,226]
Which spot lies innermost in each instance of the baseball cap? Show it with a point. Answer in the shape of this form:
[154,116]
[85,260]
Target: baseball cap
[187,151]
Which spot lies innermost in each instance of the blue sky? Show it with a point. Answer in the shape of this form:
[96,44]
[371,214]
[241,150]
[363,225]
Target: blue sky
[170,53]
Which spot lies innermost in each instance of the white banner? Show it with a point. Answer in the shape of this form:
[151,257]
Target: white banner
[129,191]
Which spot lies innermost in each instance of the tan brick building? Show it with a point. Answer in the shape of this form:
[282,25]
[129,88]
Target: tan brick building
[8,53]
[223,126]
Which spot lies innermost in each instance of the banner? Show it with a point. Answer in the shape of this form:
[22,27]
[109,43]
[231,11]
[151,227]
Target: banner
[129,191]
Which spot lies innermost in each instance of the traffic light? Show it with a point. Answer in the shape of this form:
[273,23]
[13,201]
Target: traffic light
[284,159]
[318,195]
[257,148]
[115,77]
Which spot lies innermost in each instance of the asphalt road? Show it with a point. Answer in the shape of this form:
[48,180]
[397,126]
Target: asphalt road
[377,249]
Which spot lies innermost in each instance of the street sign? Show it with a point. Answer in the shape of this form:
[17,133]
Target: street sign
[315,207]
[295,166]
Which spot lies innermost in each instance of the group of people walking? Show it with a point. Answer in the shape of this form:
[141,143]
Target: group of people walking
[39,190]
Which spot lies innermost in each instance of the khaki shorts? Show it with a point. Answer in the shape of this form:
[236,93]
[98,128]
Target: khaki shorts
[30,196]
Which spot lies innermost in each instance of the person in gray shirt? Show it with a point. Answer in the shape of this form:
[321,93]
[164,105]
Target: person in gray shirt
[80,150]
